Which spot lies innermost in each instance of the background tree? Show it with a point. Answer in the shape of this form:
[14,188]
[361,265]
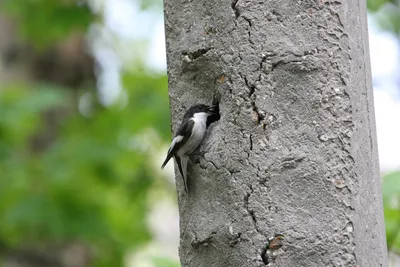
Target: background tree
[73,187]
[295,148]
[387,14]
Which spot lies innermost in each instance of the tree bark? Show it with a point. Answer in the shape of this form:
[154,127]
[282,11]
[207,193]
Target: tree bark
[295,149]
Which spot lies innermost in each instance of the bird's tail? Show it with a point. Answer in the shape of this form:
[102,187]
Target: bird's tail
[182,166]
[169,156]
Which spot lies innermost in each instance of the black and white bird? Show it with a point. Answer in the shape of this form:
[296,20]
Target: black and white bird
[189,136]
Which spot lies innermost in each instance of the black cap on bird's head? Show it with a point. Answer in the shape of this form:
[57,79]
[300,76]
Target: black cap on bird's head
[199,108]
[212,111]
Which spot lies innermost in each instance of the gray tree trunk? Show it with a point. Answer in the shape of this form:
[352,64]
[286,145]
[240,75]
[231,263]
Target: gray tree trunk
[295,149]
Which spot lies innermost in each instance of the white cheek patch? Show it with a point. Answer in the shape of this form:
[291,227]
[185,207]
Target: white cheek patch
[200,117]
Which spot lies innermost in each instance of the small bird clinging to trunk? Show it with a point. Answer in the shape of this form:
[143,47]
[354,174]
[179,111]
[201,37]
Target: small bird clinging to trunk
[189,136]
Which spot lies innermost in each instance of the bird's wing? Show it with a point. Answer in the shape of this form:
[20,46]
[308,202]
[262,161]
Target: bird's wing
[180,139]
[186,129]
[182,166]
[172,149]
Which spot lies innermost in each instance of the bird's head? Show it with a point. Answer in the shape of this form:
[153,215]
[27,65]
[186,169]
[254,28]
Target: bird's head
[201,108]
[205,112]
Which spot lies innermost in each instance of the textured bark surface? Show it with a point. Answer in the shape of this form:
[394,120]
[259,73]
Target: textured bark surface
[295,150]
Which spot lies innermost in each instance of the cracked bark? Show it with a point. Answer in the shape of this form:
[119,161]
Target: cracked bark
[295,149]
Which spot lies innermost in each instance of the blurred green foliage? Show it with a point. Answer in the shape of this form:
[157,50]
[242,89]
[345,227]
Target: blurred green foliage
[90,181]
[375,5]
[391,204]
[387,13]
[90,184]
[164,262]
[146,4]
[47,21]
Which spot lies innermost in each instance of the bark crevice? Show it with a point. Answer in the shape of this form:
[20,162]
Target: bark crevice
[235,9]
[197,53]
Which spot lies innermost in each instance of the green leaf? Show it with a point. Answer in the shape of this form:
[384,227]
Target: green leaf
[46,21]
[391,203]
[165,262]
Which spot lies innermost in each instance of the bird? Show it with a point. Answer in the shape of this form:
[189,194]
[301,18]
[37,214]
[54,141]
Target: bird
[189,136]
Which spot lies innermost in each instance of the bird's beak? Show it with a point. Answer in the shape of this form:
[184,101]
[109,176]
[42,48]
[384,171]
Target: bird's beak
[212,109]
